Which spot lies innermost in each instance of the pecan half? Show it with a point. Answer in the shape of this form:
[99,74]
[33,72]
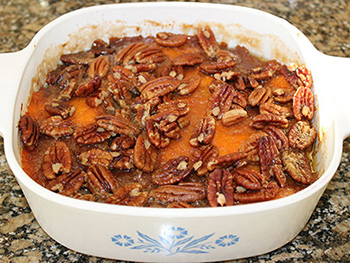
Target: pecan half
[202,156]
[259,95]
[158,87]
[203,132]
[119,91]
[261,120]
[123,142]
[189,84]
[303,104]
[301,135]
[168,39]
[173,107]
[29,131]
[117,124]
[251,146]
[61,109]
[124,160]
[290,76]
[304,75]
[208,42]
[99,67]
[220,188]
[264,194]
[68,184]
[56,127]
[297,165]
[219,67]
[96,156]
[91,134]
[249,179]
[279,137]
[271,108]
[97,98]
[130,195]
[183,192]
[145,155]
[187,59]
[100,181]
[268,156]
[68,91]
[221,100]
[173,171]
[226,160]
[82,57]
[88,86]
[234,116]
[57,160]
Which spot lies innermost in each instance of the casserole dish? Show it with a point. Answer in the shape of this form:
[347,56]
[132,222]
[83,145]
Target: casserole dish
[208,234]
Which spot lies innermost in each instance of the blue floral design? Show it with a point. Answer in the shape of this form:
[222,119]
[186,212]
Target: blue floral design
[124,240]
[174,240]
[227,240]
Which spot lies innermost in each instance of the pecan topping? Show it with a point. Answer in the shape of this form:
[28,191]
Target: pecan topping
[261,120]
[100,181]
[265,194]
[88,86]
[187,59]
[249,179]
[57,160]
[259,96]
[202,156]
[303,104]
[68,91]
[251,146]
[203,132]
[208,42]
[61,109]
[183,192]
[123,142]
[301,135]
[158,87]
[145,155]
[29,131]
[91,134]
[170,40]
[271,108]
[99,67]
[117,124]
[82,57]
[130,195]
[296,164]
[189,84]
[96,156]
[226,160]
[279,137]
[220,188]
[221,100]
[304,75]
[268,155]
[56,127]
[234,116]
[173,171]
[217,67]
[97,98]
[68,184]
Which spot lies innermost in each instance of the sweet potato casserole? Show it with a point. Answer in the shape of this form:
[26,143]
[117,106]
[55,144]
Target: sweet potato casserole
[171,120]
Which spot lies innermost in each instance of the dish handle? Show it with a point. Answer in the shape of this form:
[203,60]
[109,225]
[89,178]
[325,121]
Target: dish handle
[11,69]
[333,72]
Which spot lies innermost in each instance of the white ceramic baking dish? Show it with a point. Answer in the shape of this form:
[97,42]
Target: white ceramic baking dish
[176,235]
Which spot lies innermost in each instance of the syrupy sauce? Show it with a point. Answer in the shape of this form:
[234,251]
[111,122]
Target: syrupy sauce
[227,139]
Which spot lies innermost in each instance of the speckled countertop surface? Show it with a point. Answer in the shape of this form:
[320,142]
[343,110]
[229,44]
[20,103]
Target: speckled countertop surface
[326,237]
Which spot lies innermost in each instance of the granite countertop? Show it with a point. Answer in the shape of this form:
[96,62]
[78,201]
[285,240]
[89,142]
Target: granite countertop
[325,238]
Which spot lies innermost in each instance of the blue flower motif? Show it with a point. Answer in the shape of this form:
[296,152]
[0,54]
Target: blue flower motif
[172,233]
[124,240]
[227,240]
